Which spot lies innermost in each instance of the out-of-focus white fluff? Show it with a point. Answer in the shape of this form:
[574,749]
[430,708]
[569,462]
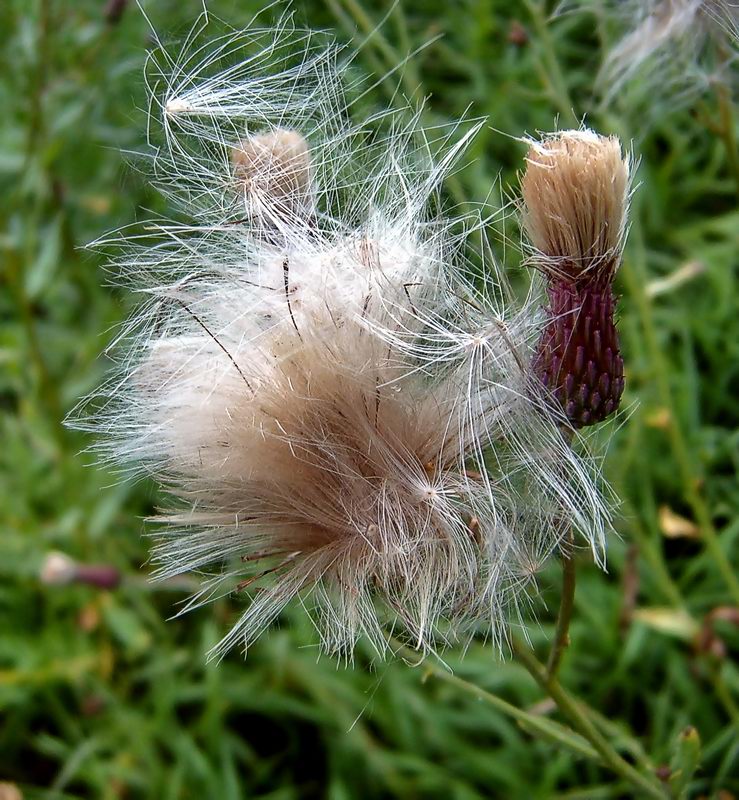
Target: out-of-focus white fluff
[675,48]
[334,411]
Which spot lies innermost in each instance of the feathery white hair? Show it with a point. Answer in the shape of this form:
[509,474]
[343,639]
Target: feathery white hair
[335,412]
[677,48]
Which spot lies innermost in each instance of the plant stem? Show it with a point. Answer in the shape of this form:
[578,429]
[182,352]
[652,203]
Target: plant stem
[723,694]
[567,602]
[46,390]
[549,729]
[571,708]
[385,60]
[619,737]
[653,554]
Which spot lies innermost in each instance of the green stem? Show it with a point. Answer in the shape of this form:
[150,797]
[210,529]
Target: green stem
[409,76]
[378,68]
[619,737]
[723,694]
[348,11]
[653,554]
[46,390]
[631,464]
[567,602]
[534,723]
[572,709]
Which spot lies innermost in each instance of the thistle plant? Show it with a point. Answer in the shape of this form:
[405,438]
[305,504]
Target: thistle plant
[334,408]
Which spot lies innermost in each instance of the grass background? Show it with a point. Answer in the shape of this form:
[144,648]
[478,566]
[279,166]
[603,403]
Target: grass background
[101,697]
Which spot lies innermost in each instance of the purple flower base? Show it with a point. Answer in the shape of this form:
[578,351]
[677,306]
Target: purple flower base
[578,359]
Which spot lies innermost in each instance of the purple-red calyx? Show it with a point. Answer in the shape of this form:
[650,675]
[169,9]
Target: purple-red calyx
[577,359]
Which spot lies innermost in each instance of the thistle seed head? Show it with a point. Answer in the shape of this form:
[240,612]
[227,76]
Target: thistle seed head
[58,569]
[677,47]
[334,413]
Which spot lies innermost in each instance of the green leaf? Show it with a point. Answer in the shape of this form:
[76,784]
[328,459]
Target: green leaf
[685,761]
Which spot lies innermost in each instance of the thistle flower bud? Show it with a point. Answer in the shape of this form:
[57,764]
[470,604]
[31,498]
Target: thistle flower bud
[575,192]
[273,172]
[59,569]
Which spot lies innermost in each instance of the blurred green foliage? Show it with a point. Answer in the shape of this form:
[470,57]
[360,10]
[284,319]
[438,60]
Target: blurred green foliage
[102,697]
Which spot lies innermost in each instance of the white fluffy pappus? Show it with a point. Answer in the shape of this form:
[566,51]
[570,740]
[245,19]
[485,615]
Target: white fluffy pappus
[668,49]
[335,413]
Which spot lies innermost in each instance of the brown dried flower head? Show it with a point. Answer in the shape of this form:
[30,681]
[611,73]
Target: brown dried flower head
[273,171]
[575,191]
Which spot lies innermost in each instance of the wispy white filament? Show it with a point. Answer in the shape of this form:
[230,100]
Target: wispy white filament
[668,49]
